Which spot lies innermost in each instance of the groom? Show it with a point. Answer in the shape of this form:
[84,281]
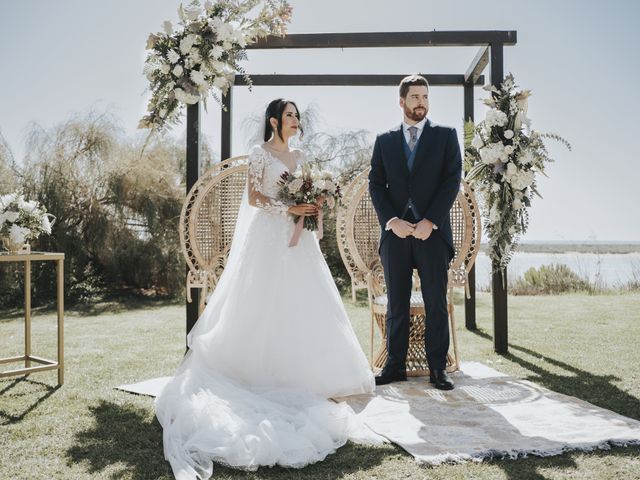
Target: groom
[414,180]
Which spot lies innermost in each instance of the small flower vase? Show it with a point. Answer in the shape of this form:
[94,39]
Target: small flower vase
[15,248]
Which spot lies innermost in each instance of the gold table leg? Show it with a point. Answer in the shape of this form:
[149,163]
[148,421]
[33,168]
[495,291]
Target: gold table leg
[27,313]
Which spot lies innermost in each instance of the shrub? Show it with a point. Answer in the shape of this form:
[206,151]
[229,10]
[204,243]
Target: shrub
[549,280]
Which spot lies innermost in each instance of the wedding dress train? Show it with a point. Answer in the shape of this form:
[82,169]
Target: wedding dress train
[272,346]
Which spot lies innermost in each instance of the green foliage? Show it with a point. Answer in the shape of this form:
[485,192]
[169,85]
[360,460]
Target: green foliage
[550,280]
[117,211]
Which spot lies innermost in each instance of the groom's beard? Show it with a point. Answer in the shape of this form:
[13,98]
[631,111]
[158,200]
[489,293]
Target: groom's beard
[416,114]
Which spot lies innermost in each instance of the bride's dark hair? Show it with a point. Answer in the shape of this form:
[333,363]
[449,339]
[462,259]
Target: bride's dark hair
[275,110]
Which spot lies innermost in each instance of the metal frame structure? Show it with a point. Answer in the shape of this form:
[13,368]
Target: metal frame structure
[491,52]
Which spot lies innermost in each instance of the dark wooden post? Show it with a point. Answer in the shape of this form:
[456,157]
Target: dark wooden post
[193,172]
[225,136]
[498,277]
[470,303]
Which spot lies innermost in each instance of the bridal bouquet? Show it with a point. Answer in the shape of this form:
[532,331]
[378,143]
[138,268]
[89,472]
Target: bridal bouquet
[186,63]
[503,160]
[309,185]
[21,221]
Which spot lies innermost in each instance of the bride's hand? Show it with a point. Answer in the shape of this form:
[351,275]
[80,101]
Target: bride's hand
[304,210]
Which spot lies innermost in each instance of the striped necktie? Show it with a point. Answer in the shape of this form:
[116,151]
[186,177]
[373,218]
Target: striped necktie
[413,139]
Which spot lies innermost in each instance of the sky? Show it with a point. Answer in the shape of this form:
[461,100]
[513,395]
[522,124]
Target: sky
[579,58]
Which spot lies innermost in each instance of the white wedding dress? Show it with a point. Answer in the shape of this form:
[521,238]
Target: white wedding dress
[273,344]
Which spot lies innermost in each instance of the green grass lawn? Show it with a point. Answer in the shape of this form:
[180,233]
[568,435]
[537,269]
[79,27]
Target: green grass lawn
[580,345]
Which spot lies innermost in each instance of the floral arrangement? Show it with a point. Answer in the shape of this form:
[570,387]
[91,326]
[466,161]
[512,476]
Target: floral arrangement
[202,56]
[21,220]
[309,184]
[503,160]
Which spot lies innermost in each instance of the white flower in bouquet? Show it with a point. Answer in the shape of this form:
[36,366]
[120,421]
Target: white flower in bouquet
[168,28]
[494,214]
[18,234]
[527,157]
[508,134]
[11,216]
[194,55]
[296,184]
[509,149]
[192,13]
[493,153]
[165,68]
[477,142]
[198,78]
[173,56]
[511,170]
[216,52]
[512,230]
[517,204]
[6,200]
[187,43]
[46,224]
[177,71]
[185,97]
[221,82]
[522,180]
[496,117]
[495,187]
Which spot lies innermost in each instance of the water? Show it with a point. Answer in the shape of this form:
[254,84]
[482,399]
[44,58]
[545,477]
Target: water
[608,269]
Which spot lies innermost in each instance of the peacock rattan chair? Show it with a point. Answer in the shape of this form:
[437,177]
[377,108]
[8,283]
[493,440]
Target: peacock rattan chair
[208,221]
[358,234]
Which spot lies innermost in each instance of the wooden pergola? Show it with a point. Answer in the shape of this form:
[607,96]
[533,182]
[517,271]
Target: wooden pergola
[491,46]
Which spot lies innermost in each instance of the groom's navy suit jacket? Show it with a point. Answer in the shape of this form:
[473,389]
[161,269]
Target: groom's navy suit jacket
[432,184]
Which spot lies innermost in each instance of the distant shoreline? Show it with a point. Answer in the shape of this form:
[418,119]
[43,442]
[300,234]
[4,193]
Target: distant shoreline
[577,247]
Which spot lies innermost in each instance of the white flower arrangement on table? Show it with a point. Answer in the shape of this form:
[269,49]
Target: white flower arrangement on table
[22,221]
[503,160]
[309,184]
[202,56]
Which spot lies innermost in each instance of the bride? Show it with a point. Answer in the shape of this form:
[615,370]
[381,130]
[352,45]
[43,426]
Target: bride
[274,343]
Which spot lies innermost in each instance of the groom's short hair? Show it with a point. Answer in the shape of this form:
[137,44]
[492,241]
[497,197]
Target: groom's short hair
[407,82]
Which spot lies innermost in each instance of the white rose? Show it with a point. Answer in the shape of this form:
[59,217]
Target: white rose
[509,149]
[517,204]
[508,134]
[177,70]
[511,169]
[185,97]
[165,68]
[168,28]
[173,56]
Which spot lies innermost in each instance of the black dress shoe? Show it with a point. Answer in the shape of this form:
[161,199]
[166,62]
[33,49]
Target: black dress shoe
[440,379]
[389,376]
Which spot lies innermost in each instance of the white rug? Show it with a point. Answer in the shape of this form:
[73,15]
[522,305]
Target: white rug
[487,415]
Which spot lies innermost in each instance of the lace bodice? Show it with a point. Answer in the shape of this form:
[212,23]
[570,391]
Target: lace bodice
[265,170]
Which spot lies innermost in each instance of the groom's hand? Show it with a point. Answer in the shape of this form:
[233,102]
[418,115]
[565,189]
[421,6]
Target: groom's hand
[423,229]
[401,228]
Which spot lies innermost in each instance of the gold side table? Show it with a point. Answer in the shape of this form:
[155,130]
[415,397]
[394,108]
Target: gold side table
[28,358]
